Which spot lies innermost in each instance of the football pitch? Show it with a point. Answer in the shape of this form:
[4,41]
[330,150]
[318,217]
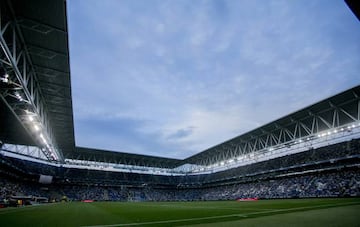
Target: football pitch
[299,212]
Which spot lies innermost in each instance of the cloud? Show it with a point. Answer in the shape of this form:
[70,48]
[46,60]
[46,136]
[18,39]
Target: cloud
[172,78]
[182,133]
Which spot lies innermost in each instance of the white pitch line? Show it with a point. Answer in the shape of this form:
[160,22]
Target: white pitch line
[221,216]
[168,221]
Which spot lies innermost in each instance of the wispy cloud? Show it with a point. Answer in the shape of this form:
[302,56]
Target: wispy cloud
[172,78]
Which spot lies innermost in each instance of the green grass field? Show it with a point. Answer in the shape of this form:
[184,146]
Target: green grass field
[300,212]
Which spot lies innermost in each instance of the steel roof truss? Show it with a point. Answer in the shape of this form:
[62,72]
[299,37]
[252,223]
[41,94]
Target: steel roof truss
[347,114]
[16,54]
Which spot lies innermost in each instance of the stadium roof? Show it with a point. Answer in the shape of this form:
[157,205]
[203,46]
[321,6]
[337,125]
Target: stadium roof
[345,105]
[43,26]
[90,154]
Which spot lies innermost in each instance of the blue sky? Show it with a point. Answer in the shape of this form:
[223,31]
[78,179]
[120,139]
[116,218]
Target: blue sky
[172,78]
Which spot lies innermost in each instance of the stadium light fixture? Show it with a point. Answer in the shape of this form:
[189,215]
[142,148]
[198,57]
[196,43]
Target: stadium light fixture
[5,78]
[43,138]
[18,96]
[31,118]
[36,127]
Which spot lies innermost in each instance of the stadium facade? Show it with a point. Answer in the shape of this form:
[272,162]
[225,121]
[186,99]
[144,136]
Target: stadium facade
[308,148]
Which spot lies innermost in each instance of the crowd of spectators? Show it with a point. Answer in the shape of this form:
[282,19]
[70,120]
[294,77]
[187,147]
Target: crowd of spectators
[11,187]
[331,184]
[337,183]
[289,178]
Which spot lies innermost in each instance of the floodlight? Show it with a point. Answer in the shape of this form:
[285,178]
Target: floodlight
[18,96]
[43,138]
[5,78]
[31,118]
[37,128]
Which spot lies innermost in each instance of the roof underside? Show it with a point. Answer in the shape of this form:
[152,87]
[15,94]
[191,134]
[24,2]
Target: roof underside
[91,154]
[43,26]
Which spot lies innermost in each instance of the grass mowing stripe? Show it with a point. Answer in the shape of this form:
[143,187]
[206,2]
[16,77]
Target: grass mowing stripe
[169,221]
[302,208]
[204,207]
[241,215]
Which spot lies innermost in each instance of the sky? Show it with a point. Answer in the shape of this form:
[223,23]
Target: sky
[172,78]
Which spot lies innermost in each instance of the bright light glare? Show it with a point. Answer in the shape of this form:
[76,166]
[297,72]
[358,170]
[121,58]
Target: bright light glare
[37,128]
[5,79]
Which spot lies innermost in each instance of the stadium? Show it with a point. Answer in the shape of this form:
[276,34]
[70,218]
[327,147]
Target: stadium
[303,166]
